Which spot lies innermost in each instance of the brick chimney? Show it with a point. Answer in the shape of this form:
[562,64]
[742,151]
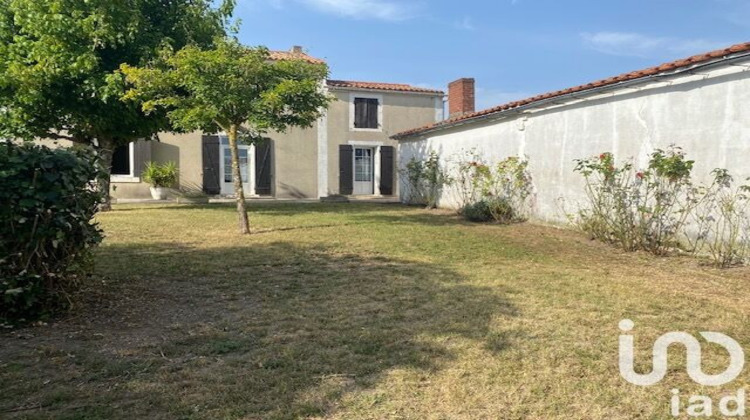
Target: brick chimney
[460,97]
[296,50]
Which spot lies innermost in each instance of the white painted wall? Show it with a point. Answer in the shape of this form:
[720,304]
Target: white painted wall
[707,114]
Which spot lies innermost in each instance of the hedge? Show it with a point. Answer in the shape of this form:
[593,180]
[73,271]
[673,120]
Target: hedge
[48,201]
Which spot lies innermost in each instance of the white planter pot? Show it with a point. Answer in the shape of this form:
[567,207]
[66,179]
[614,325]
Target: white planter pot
[159,193]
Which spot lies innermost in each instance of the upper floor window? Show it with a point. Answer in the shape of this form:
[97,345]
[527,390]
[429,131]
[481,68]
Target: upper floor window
[366,112]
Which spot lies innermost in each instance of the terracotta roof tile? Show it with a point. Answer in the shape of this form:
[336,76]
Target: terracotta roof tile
[674,65]
[399,87]
[286,55]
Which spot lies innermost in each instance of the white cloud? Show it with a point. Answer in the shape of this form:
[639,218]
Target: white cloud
[639,45]
[366,9]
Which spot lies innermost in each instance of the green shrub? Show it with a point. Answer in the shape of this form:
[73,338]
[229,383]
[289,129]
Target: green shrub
[503,191]
[722,221]
[48,201]
[425,180]
[160,175]
[638,210]
[490,209]
[477,212]
[502,211]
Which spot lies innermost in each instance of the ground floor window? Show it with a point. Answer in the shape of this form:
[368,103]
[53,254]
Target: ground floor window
[122,160]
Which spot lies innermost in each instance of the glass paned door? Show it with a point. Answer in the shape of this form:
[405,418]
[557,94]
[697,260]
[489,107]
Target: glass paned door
[228,165]
[227,180]
[363,171]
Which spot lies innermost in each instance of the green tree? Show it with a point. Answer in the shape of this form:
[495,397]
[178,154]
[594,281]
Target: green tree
[231,88]
[60,60]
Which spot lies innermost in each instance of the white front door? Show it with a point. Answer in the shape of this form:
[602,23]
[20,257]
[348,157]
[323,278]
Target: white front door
[364,171]
[246,169]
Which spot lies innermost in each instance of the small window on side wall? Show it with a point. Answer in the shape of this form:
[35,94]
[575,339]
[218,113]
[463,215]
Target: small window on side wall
[366,113]
[121,161]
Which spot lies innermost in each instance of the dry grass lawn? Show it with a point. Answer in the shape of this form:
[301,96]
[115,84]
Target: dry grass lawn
[348,311]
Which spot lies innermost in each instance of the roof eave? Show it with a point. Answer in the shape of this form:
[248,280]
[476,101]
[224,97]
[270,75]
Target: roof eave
[574,95]
[410,92]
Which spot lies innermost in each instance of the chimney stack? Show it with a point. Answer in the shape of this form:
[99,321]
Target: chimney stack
[461,97]
[296,50]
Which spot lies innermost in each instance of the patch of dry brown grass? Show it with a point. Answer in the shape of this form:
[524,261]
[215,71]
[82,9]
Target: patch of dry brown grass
[362,311]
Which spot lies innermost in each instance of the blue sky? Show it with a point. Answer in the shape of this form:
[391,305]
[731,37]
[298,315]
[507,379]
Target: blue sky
[514,48]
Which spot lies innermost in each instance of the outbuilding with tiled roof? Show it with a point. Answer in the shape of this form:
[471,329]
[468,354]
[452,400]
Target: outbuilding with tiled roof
[700,103]
[638,76]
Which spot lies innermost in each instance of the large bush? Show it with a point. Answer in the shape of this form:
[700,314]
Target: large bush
[721,221]
[490,209]
[501,191]
[638,210]
[48,201]
[660,208]
[425,180]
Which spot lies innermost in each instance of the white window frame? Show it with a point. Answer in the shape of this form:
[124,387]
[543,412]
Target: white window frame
[352,97]
[131,177]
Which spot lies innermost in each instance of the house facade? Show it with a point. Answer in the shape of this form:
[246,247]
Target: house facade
[701,103]
[348,151]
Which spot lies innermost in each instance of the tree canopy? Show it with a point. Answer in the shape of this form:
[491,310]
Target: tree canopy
[231,84]
[230,88]
[59,62]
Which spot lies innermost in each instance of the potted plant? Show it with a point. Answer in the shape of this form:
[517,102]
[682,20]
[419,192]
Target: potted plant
[161,177]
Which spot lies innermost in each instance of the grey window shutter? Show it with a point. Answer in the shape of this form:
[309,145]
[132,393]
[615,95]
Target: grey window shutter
[366,113]
[211,164]
[360,113]
[263,166]
[346,164]
[141,155]
[372,113]
[386,170]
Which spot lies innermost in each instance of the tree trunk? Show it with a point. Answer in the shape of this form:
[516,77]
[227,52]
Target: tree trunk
[239,191]
[105,149]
